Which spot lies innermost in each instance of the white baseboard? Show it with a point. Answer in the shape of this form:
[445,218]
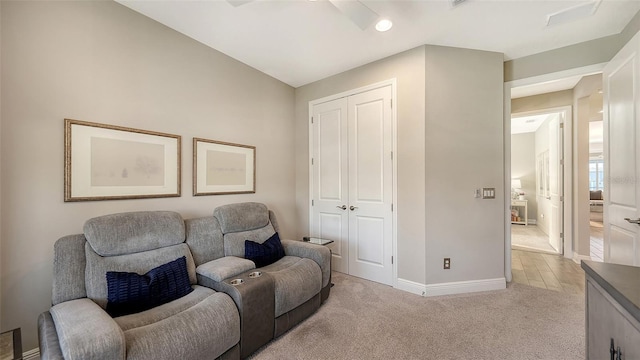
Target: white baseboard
[532,221]
[460,287]
[577,258]
[411,286]
[33,354]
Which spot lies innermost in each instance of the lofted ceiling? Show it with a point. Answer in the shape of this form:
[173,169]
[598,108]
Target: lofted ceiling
[301,41]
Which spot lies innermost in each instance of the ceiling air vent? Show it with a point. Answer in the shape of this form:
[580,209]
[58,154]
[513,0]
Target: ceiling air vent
[573,13]
[455,3]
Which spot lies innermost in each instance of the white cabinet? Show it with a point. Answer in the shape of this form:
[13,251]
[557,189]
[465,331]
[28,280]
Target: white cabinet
[612,311]
[522,211]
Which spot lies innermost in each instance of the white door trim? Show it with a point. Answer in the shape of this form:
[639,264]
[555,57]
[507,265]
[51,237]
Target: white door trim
[507,180]
[394,215]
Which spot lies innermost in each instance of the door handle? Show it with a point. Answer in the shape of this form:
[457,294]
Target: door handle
[352,207]
[343,207]
[633,221]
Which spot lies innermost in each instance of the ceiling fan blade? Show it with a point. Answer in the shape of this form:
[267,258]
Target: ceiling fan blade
[355,10]
[236,3]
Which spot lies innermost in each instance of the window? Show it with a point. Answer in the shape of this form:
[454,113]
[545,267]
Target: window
[596,175]
[542,172]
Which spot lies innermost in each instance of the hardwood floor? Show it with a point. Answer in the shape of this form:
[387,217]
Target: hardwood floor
[530,237]
[547,271]
[597,249]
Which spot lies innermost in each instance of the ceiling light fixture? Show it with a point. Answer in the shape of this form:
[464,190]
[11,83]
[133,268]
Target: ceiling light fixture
[384,25]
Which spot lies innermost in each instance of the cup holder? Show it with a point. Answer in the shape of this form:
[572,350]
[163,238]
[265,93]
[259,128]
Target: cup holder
[236,282]
[255,274]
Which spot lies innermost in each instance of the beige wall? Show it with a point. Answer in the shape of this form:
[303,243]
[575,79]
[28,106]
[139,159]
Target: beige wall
[523,167]
[464,147]
[101,62]
[587,53]
[408,69]
[446,149]
[542,101]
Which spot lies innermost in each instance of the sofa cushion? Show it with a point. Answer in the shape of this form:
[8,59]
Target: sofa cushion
[241,216]
[129,293]
[201,325]
[127,233]
[296,281]
[204,239]
[164,311]
[266,253]
[234,242]
[224,268]
[141,263]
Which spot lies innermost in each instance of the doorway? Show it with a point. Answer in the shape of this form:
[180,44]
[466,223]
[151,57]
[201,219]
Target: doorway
[537,180]
[576,216]
[352,140]
[596,181]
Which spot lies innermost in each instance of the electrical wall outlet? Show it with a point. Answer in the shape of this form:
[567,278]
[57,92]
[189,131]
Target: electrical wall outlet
[447,263]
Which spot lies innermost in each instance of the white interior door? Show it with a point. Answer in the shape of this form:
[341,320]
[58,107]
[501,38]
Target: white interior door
[556,181]
[331,179]
[370,185]
[352,182]
[621,83]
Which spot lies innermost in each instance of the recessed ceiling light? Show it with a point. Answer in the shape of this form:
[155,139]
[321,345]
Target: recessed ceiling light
[384,25]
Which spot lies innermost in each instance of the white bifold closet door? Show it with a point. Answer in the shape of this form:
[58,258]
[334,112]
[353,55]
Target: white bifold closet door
[352,190]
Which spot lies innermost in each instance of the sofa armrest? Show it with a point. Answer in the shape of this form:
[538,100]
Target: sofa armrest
[318,253]
[224,267]
[48,338]
[87,332]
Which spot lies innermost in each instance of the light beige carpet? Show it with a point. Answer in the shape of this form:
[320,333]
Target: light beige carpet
[366,320]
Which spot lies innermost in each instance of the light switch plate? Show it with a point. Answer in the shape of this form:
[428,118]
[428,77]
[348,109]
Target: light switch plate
[488,193]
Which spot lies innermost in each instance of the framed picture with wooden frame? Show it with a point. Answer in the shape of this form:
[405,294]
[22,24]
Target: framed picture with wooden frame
[106,162]
[223,168]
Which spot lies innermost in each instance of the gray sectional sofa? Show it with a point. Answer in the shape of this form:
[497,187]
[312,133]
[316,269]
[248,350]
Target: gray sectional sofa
[217,306]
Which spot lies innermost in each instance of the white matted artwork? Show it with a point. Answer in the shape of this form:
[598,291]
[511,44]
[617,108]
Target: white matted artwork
[105,162]
[223,168]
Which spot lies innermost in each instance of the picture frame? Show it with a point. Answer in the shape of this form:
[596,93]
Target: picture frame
[107,162]
[223,168]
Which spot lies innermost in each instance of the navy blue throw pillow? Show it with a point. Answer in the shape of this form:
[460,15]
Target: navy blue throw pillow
[129,293]
[266,253]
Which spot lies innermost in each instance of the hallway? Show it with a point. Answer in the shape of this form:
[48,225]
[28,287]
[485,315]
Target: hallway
[531,238]
[547,271]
